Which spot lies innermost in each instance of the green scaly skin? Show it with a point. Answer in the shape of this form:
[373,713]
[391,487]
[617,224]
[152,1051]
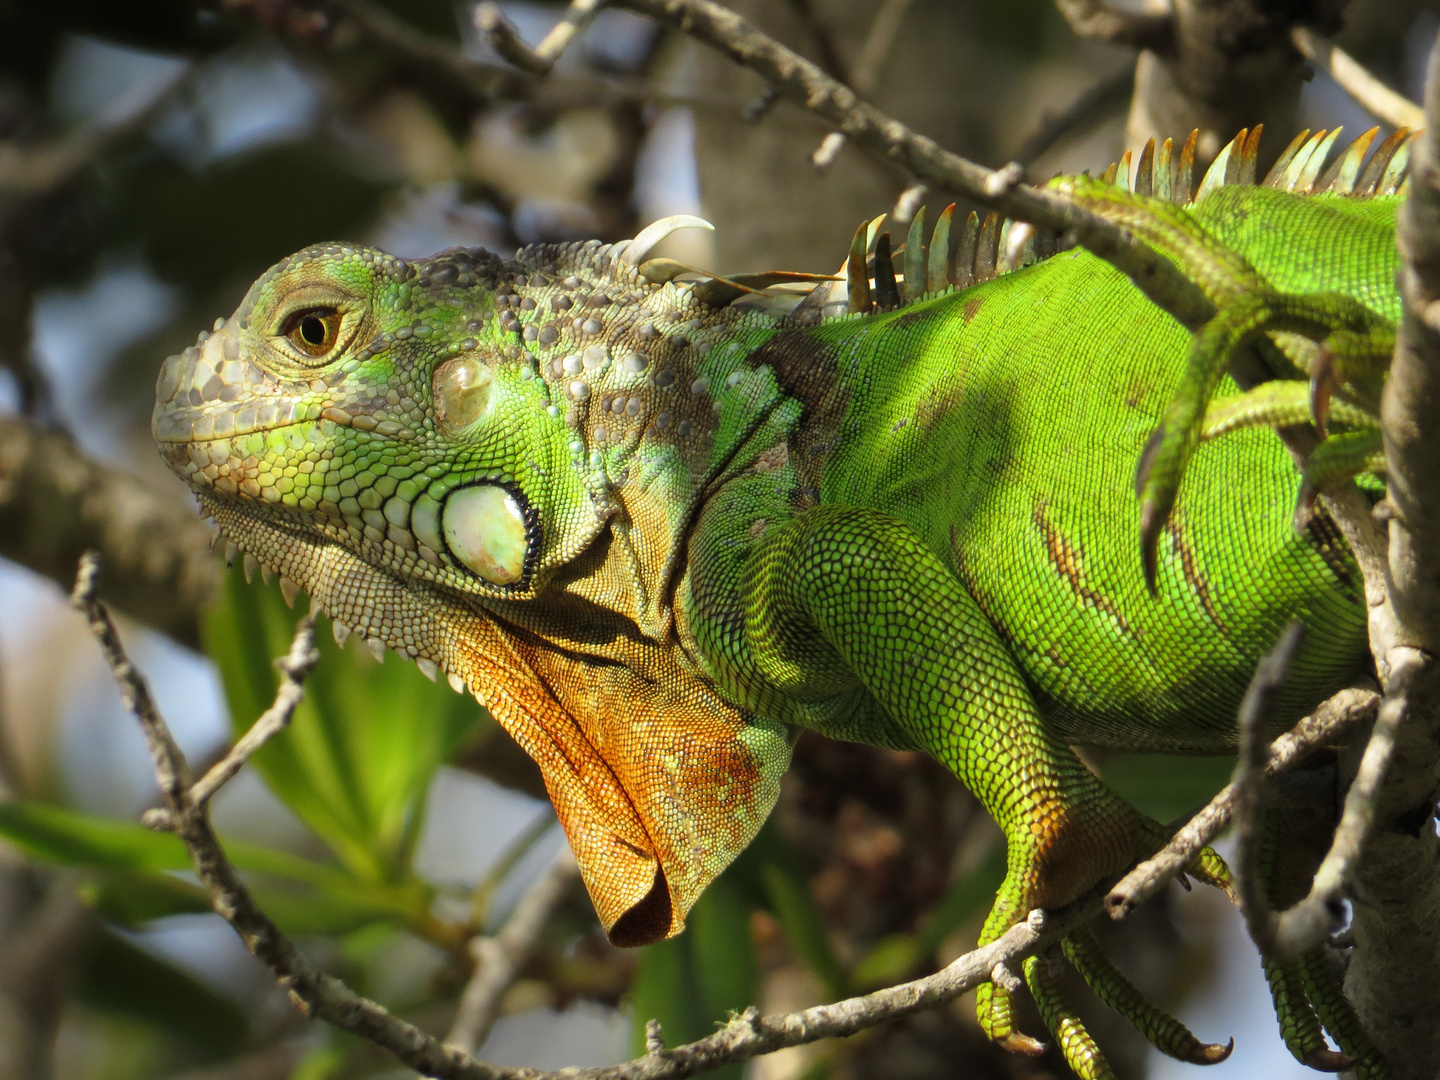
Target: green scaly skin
[913,529]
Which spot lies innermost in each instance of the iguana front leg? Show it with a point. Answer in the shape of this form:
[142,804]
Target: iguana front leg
[845,621]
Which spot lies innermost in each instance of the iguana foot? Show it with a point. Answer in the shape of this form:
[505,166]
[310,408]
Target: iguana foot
[1081,1052]
[1168,1035]
[1309,1000]
[994,1000]
[1339,344]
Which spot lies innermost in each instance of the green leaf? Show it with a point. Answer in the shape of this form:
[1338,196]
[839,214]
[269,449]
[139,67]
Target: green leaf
[694,982]
[135,883]
[359,756]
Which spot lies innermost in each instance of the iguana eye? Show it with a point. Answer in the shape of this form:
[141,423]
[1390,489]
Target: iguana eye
[313,332]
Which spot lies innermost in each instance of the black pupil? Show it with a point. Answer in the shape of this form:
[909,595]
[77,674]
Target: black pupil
[312,329]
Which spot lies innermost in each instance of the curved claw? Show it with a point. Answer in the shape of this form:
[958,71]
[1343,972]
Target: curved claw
[1152,518]
[1304,504]
[1212,1053]
[1081,1053]
[1018,1042]
[992,1006]
[1327,1060]
[1327,998]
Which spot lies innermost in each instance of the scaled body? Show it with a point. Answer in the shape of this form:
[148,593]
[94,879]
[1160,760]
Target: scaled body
[654,528]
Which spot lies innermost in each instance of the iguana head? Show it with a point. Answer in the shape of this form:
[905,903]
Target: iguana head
[484,466]
[386,407]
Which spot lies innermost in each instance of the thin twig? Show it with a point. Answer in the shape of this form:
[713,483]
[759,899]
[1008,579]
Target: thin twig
[1249,783]
[908,203]
[500,32]
[1140,30]
[171,771]
[1369,92]
[867,71]
[295,668]
[824,155]
[1093,105]
[500,959]
[1323,726]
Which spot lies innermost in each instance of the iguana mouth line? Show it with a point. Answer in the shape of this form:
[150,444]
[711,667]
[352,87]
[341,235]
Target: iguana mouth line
[211,440]
[171,437]
[241,426]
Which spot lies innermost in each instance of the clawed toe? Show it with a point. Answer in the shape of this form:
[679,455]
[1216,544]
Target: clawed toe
[1212,1053]
[1019,1043]
[1327,1060]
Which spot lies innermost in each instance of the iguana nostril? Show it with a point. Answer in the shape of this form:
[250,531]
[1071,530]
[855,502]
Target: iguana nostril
[462,390]
[485,529]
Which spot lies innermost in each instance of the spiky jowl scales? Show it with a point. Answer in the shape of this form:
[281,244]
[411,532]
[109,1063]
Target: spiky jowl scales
[657,520]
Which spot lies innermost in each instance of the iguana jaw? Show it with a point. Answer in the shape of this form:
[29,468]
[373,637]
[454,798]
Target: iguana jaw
[630,761]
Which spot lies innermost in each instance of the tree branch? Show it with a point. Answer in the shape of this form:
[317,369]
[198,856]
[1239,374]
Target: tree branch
[1396,895]
[1098,19]
[1369,92]
[1322,727]
[500,32]
[891,141]
[57,502]
[1249,785]
[38,170]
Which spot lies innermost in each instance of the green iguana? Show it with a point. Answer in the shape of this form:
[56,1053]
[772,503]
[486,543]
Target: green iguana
[657,521]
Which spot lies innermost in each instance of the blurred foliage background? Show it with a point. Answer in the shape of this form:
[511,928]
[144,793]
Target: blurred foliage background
[155,157]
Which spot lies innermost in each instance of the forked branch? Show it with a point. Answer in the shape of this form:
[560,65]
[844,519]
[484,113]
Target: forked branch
[500,32]
[1322,727]
[801,81]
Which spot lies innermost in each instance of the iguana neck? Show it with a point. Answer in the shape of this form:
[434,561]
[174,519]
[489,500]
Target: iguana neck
[661,397]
